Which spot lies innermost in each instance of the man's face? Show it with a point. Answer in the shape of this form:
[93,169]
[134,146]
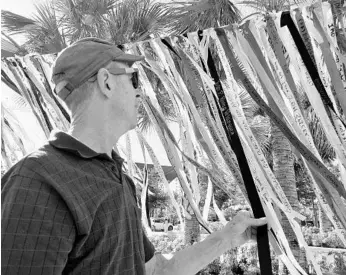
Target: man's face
[126,98]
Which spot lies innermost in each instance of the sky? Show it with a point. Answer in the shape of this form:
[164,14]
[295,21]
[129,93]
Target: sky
[22,7]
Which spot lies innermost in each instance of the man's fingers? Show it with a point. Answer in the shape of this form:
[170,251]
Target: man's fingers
[258,222]
[250,220]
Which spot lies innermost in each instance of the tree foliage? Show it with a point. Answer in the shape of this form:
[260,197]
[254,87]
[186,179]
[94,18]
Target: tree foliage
[157,198]
[43,30]
[189,16]
[271,5]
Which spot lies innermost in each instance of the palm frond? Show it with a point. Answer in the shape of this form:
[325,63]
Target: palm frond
[271,5]
[137,20]
[42,30]
[53,40]
[14,23]
[322,144]
[85,18]
[260,127]
[201,14]
[14,46]
[250,107]
[259,123]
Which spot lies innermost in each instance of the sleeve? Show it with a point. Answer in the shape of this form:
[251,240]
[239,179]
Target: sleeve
[149,248]
[37,228]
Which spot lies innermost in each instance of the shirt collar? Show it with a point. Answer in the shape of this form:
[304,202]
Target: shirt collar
[66,142]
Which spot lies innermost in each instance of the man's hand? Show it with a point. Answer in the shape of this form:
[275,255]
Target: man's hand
[193,258]
[242,228]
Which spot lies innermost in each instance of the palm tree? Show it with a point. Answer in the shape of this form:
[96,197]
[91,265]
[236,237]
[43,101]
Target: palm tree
[59,23]
[283,167]
[43,30]
[189,16]
[271,5]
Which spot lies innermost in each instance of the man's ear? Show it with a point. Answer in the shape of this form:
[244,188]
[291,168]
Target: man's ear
[103,80]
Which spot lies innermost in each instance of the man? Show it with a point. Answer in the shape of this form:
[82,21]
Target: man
[68,208]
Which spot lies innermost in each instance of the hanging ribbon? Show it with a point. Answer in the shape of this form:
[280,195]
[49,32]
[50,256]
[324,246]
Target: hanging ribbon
[217,133]
[43,69]
[286,20]
[307,16]
[313,96]
[46,99]
[337,75]
[276,236]
[12,69]
[201,134]
[290,91]
[319,167]
[172,90]
[234,141]
[160,172]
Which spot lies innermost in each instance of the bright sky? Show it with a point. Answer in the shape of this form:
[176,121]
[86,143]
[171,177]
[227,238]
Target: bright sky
[22,7]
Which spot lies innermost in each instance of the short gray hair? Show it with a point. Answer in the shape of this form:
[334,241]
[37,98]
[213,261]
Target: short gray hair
[79,97]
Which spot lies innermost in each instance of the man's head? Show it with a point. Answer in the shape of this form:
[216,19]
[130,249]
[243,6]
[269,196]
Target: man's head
[96,72]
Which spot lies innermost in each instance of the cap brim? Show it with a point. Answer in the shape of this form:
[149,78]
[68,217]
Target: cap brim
[130,58]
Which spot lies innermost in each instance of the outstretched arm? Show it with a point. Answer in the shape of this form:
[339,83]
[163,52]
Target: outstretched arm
[195,257]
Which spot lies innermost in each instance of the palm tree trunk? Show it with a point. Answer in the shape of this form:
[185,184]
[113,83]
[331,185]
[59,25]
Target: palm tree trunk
[284,172]
[324,223]
[192,229]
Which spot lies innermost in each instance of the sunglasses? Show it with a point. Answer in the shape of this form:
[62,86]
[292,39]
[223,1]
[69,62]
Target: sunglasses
[119,71]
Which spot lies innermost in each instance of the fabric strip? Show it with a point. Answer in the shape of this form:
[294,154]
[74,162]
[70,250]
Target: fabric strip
[233,139]
[286,20]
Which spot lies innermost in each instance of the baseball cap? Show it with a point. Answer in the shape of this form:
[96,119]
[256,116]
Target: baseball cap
[81,60]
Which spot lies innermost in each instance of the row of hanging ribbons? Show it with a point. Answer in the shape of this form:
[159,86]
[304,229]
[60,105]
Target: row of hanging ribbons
[271,58]
[260,46]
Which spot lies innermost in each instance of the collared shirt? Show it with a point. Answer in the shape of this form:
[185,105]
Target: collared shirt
[69,210]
